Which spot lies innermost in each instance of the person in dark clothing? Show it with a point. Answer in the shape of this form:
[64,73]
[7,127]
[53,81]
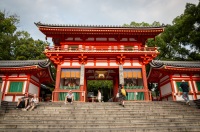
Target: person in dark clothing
[23,102]
[185,88]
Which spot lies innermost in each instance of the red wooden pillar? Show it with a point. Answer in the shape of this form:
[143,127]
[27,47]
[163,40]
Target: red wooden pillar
[173,88]
[193,88]
[146,90]
[116,85]
[57,86]
[4,87]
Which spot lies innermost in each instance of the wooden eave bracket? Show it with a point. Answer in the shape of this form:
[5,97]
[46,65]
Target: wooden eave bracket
[82,59]
[120,59]
[57,59]
[145,59]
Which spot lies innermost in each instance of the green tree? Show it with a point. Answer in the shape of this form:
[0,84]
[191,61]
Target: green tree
[26,48]
[179,41]
[7,30]
[18,45]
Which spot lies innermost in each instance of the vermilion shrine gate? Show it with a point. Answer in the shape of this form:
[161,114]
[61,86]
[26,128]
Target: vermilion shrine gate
[117,53]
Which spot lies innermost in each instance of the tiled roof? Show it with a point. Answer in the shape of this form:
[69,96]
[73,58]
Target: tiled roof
[187,64]
[94,26]
[23,63]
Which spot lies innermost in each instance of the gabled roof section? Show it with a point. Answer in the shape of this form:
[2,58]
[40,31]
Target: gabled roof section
[24,63]
[183,64]
[163,68]
[39,68]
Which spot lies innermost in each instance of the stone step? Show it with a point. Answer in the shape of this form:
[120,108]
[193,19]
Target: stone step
[130,113]
[98,125]
[136,116]
[97,118]
[139,129]
[13,121]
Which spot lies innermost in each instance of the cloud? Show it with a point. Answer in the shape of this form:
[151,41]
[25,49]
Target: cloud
[92,12]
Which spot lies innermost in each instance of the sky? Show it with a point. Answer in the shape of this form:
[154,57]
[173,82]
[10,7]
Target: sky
[91,12]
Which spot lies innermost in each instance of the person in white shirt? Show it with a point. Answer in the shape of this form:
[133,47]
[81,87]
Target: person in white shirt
[69,97]
[33,103]
[99,95]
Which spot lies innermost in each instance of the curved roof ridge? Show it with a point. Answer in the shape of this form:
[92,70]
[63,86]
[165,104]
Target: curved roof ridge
[160,63]
[98,26]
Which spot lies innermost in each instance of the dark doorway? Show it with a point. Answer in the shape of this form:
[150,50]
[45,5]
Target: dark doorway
[105,86]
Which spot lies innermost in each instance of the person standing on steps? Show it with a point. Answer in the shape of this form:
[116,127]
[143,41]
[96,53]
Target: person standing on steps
[122,94]
[69,97]
[185,88]
[99,95]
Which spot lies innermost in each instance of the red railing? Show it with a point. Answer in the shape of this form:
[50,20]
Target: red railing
[100,49]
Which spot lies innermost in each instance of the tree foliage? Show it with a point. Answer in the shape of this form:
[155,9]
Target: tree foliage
[17,45]
[181,40]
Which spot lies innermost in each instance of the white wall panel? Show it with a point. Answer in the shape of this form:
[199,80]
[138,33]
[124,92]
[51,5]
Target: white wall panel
[113,64]
[89,64]
[35,78]
[166,89]
[164,78]
[2,86]
[33,89]
[8,98]
[66,64]
[101,64]
[75,64]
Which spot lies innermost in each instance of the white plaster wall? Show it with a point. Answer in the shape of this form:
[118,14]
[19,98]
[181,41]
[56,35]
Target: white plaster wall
[22,75]
[166,89]
[3,83]
[185,75]
[75,64]
[198,96]
[33,89]
[66,64]
[113,64]
[8,98]
[196,75]
[24,87]
[17,97]
[13,75]
[176,75]
[89,64]
[101,64]
[8,84]
[35,78]
[164,78]
[175,87]
[136,64]
[127,64]
[190,85]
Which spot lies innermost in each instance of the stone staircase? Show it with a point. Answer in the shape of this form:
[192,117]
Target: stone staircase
[156,116]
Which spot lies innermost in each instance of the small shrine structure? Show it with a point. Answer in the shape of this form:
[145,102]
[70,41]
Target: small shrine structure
[169,75]
[23,76]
